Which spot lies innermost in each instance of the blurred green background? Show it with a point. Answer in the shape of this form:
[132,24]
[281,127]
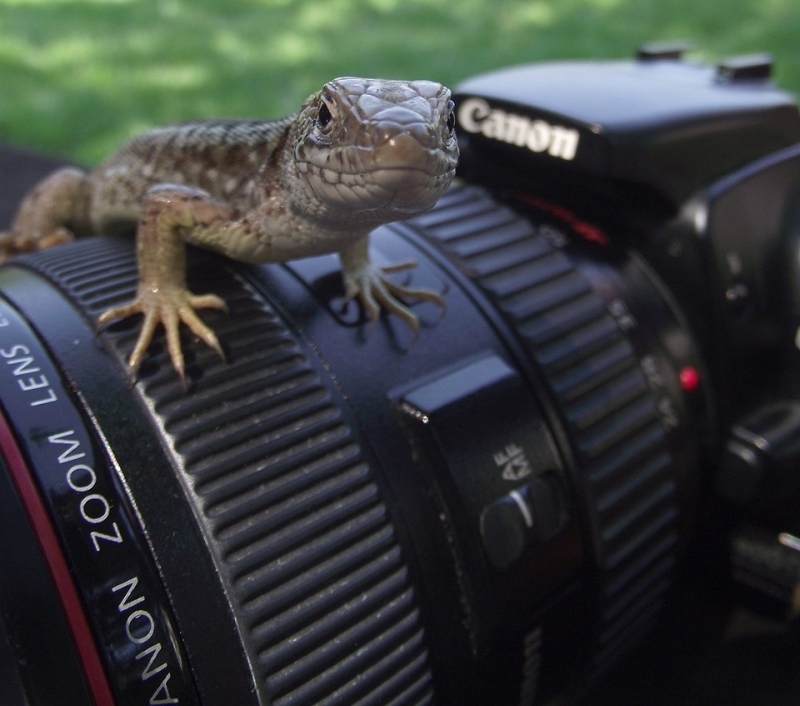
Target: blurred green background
[78,76]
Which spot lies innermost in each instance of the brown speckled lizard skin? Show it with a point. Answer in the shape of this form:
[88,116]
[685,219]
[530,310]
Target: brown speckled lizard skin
[359,153]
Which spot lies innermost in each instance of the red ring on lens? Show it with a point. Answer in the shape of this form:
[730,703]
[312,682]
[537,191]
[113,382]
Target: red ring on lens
[51,548]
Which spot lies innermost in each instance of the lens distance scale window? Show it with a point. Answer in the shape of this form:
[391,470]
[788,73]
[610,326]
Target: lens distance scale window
[500,454]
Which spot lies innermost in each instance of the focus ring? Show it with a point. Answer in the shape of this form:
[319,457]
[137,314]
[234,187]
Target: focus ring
[277,479]
[595,378]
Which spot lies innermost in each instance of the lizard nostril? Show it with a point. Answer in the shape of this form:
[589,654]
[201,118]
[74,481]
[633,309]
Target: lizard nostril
[451,122]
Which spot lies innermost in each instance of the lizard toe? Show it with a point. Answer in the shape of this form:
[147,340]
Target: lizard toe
[387,293]
[151,321]
[422,294]
[198,328]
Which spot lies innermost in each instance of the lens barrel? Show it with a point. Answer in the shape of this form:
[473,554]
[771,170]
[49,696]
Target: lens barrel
[340,515]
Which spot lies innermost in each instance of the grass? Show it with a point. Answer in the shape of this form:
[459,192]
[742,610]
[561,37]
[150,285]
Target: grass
[78,76]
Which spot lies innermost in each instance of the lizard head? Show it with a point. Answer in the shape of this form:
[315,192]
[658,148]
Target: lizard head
[371,151]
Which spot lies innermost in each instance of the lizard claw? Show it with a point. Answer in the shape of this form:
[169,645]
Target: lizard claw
[168,307]
[375,291]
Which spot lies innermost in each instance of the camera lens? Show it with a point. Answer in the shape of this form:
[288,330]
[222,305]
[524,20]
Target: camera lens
[338,514]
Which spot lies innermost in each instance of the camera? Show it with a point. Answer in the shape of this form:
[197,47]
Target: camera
[496,513]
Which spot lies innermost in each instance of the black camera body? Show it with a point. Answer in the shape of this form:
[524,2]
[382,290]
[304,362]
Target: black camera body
[697,169]
[494,514]
[693,166]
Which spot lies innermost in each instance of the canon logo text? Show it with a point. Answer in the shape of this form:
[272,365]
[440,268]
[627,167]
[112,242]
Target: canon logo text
[476,115]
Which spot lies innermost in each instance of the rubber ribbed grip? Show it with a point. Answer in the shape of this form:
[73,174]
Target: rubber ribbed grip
[276,476]
[601,391]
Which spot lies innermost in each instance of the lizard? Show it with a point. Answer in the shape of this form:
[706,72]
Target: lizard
[357,154]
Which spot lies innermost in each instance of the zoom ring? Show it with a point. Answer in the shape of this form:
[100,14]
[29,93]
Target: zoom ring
[598,385]
[277,479]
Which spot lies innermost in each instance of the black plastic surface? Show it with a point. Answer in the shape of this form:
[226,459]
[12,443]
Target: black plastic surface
[666,124]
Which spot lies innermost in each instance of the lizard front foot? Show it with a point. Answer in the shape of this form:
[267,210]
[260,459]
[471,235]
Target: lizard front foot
[168,307]
[60,200]
[12,243]
[375,291]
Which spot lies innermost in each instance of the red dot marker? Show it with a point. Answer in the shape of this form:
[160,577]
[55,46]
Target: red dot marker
[689,378]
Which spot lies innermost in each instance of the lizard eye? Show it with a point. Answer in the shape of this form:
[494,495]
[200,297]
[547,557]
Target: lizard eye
[324,116]
[451,119]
